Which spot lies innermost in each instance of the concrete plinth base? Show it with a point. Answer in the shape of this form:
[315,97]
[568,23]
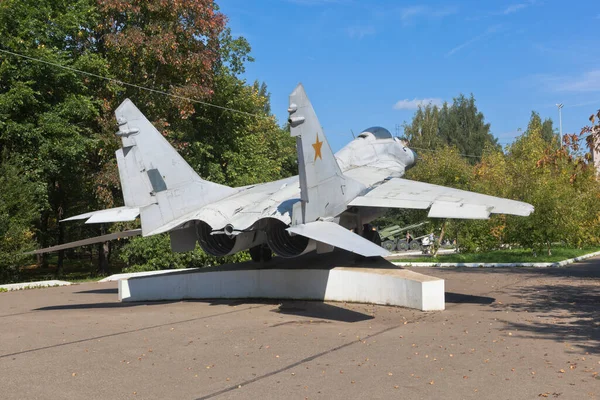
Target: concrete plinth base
[378,283]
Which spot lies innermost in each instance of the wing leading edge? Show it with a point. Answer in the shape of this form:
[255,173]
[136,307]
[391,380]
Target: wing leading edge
[85,242]
[443,202]
[118,214]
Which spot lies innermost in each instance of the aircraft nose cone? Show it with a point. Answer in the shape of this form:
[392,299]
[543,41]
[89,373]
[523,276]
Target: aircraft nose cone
[415,157]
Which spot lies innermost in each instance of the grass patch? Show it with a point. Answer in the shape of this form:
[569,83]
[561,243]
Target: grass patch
[504,256]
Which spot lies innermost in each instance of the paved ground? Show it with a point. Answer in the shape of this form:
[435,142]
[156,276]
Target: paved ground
[506,334]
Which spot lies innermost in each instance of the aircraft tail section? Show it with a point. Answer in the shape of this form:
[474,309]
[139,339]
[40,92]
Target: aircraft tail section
[324,188]
[154,176]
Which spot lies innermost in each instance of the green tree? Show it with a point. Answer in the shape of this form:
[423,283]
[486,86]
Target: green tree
[423,131]
[50,115]
[60,124]
[561,186]
[19,209]
[545,129]
[183,49]
[239,148]
[462,125]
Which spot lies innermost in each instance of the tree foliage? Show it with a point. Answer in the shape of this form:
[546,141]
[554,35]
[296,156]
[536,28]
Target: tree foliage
[460,125]
[57,139]
[59,125]
[50,116]
[154,253]
[559,181]
[544,129]
[19,209]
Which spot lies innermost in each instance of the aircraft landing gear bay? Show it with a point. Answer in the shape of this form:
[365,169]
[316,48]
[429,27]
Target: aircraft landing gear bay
[261,253]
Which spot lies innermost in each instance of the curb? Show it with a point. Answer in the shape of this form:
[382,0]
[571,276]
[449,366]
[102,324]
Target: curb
[117,277]
[30,285]
[498,265]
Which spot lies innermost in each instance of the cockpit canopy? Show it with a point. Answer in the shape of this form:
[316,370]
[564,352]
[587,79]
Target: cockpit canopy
[377,131]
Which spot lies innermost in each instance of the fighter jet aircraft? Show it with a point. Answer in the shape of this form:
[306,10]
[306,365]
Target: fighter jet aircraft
[324,207]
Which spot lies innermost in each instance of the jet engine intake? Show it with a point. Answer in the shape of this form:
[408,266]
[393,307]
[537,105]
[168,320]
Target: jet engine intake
[223,244]
[285,244]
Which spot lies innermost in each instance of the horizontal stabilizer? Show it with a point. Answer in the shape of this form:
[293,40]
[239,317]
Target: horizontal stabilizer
[119,214]
[338,236]
[85,242]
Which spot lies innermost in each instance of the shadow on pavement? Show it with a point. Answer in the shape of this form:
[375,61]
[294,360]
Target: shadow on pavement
[563,313]
[583,269]
[115,304]
[320,310]
[99,291]
[459,298]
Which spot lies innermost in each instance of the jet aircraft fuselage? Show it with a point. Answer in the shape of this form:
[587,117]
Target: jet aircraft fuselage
[370,159]
[324,207]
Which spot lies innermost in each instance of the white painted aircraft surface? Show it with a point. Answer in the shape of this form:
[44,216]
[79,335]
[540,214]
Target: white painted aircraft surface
[324,207]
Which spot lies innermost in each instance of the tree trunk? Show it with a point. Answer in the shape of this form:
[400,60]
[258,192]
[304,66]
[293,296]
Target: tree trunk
[436,249]
[104,268]
[61,254]
[103,255]
[110,251]
[549,249]
[44,237]
[60,208]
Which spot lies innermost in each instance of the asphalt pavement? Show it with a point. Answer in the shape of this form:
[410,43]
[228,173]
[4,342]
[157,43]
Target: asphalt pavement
[524,333]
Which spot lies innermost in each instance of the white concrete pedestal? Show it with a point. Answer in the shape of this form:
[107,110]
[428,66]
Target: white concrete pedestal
[382,283]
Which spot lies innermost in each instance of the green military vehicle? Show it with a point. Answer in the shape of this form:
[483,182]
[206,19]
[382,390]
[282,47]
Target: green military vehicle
[393,238]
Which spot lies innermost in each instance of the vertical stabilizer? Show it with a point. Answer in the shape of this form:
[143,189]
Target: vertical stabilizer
[324,189]
[154,176]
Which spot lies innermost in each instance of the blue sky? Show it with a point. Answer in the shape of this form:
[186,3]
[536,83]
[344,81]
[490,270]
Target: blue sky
[366,63]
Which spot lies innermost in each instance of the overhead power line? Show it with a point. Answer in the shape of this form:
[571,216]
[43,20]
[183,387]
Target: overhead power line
[423,149]
[119,82]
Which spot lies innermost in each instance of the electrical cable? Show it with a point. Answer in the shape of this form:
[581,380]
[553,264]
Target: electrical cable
[119,82]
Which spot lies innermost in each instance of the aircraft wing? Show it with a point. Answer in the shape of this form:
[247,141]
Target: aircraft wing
[85,242]
[443,202]
[118,214]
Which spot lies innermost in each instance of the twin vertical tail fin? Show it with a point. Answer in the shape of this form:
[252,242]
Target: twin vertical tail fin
[155,177]
[324,188]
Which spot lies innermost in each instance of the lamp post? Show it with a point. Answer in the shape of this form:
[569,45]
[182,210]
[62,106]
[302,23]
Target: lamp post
[560,106]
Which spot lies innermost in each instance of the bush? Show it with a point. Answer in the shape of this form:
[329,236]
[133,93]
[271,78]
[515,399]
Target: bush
[154,253]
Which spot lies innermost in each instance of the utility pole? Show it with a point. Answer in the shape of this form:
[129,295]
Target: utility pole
[560,106]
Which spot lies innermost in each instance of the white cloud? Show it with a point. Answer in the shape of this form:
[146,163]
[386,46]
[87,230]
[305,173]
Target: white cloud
[492,29]
[413,104]
[359,32]
[409,15]
[586,82]
[511,9]
[584,104]
[514,8]
[444,12]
